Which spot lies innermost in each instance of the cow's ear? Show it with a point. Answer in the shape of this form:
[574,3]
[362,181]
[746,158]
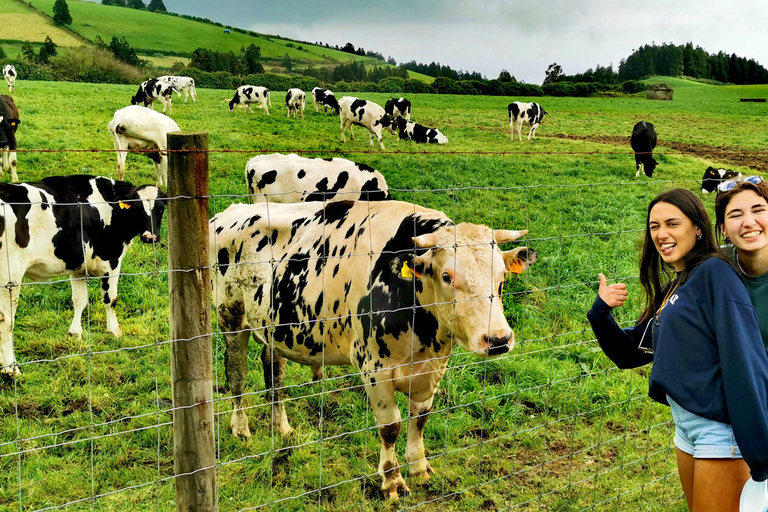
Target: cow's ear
[502,236]
[518,260]
[407,267]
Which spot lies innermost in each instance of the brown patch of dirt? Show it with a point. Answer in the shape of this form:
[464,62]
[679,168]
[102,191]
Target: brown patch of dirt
[754,159]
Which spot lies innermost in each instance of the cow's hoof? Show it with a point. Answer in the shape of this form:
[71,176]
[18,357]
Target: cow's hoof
[117,333]
[395,489]
[422,471]
[11,371]
[74,334]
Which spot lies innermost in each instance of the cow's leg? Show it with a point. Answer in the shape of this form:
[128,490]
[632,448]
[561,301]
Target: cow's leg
[12,162]
[121,150]
[520,129]
[414,453]
[512,131]
[236,368]
[266,110]
[3,160]
[194,95]
[533,131]
[9,299]
[381,393]
[79,302]
[274,381]
[109,297]
[343,129]
[249,107]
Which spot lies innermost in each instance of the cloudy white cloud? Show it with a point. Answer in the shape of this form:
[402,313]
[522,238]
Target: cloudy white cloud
[522,36]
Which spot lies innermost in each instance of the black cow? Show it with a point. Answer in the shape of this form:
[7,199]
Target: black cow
[408,130]
[398,107]
[151,90]
[73,226]
[713,177]
[9,122]
[643,141]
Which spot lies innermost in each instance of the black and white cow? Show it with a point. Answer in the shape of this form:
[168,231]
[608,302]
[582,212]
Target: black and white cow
[181,84]
[153,89]
[294,102]
[643,141]
[713,177]
[326,99]
[278,178]
[408,130]
[363,113]
[9,123]
[520,113]
[388,287]
[247,94]
[139,128]
[398,107]
[73,226]
[9,73]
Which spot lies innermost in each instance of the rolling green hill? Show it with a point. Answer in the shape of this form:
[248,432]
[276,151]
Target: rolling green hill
[165,39]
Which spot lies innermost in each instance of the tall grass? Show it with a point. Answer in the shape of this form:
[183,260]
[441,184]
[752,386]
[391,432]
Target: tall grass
[90,64]
[552,426]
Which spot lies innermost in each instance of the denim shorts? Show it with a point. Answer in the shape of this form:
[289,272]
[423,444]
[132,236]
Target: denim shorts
[701,437]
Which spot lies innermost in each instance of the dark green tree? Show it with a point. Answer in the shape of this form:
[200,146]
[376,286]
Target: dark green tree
[2,53]
[506,77]
[61,14]
[287,63]
[252,59]
[118,3]
[156,6]
[123,51]
[135,4]
[47,51]
[554,73]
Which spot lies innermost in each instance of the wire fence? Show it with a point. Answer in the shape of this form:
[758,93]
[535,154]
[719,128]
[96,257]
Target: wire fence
[549,425]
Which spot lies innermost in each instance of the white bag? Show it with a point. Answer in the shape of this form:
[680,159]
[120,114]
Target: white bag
[754,497]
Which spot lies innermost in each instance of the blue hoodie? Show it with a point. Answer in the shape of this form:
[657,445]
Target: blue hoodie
[708,355]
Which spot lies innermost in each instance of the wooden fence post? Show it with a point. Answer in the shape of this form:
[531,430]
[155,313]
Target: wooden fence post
[194,455]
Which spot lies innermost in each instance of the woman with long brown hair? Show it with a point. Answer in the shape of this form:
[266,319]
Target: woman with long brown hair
[700,330]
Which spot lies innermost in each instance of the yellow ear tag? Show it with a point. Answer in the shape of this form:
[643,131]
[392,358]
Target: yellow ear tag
[405,271]
[123,206]
[516,268]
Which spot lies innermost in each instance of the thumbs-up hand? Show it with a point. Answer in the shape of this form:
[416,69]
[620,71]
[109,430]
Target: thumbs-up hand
[614,295]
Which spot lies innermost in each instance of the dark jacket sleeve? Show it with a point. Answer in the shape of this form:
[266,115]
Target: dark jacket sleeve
[620,345]
[745,381]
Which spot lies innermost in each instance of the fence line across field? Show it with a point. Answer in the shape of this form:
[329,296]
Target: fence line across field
[334,384]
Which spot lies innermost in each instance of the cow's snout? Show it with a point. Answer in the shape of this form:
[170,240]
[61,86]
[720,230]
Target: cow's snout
[497,345]
[149,238]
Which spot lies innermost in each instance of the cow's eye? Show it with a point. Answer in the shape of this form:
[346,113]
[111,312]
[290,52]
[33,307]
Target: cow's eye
[446,278]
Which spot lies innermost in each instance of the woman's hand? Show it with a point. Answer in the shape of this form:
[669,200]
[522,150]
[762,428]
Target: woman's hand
[614,295]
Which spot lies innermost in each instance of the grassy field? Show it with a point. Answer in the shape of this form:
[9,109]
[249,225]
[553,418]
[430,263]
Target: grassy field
[553,426]
[22,23]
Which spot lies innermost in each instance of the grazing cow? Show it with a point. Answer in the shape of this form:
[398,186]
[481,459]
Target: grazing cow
[294,102]
[643,141]
[713,177]
[398,107]
[9,122]
[140,128]
[326,99]
[291,178]
[181,84]
[520,113]
[408,130]
[364,113]
[153,89]
[388,287]
[70,225]
[9,73]
[247,94]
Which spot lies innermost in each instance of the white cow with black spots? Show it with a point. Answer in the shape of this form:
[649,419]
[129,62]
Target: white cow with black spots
[181,84]
[294,102]
[363,113]
[9,73]
[520,113]
[247,94]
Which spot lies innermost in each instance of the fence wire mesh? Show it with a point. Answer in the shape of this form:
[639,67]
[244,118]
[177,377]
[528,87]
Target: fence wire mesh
[549,425]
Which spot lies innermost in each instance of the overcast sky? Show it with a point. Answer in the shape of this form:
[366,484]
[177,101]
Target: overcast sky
[522,36]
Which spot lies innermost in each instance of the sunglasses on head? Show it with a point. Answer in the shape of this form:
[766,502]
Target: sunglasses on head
[728,185]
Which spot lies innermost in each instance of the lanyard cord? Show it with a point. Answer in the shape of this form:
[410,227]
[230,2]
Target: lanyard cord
[664,302]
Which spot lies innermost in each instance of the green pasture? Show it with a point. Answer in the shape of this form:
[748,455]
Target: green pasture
[145,30]
[553,426]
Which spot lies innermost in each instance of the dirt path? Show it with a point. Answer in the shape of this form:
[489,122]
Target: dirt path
[724,156]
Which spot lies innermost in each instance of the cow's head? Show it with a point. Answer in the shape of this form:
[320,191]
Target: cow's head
[148,205]
[234,101]
[648,166]
[461,279]
[713,177]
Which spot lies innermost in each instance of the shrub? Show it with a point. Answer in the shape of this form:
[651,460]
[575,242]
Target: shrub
[91,64]
[633,86]
[443,85]
[342,86]
[392,84]
[416,86]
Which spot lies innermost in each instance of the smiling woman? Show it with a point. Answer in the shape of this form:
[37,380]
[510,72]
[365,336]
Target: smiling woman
[710,367]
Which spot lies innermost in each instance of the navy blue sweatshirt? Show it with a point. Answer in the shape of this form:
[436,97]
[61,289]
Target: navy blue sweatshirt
[708,355]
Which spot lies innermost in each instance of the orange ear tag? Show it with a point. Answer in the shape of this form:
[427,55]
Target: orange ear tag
[123,206]
[516,267]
